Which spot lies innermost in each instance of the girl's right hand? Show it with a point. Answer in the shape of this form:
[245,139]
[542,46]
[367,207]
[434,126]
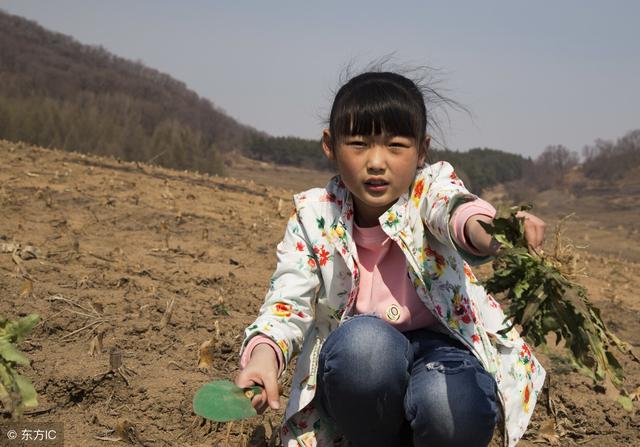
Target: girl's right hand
[262,370]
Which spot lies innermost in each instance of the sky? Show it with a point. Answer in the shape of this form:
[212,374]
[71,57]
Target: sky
[532,74]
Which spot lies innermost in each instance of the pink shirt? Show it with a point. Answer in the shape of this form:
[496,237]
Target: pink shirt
[385,287]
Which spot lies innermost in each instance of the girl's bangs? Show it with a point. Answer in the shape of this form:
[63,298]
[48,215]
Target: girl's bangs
[366,113]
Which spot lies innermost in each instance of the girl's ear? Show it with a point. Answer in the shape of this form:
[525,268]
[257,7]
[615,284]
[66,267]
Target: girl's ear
[423,150]
[327,146]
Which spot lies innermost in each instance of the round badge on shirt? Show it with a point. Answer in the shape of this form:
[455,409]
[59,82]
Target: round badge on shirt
[393,312]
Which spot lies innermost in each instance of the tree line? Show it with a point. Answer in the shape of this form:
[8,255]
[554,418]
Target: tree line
[480,168]
[288,151]
[611,160]
[604,160]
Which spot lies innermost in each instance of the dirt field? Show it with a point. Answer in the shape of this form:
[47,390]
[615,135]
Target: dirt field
[118,244]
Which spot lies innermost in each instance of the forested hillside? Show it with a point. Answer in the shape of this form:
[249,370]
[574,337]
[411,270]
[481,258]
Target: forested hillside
[56,92]
[482,168]
[288,151]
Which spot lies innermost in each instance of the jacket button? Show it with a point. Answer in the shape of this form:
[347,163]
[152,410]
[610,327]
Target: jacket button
[393,313]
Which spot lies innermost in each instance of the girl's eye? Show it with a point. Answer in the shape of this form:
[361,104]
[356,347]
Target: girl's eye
[356,143]
[399,144]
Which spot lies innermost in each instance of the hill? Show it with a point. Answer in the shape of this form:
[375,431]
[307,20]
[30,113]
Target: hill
[148,263]
[56,92]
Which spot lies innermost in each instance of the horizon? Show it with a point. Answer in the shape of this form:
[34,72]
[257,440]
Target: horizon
[527,87]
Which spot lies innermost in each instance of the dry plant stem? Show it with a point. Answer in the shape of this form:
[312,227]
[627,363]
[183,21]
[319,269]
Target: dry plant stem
[116,367]
[115,359]
[102,258]
[66,300]
[241,435]
[95,346]
[93,323]
[108,402]
[32,412]
[23,271]
[274,435]
[228,435]
[166,348]
[81,313]
[194,424]
[166,318]
[126,373]
[171,362]
[564,257]
[88,313]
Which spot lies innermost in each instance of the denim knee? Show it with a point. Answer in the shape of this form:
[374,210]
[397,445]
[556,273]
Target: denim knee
[451,401]
[362,379]
[367,352]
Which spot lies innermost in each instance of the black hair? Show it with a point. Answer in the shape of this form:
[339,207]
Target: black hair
[391,99]
[378,102]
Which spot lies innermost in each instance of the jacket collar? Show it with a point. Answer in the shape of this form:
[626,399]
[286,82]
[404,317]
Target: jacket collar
[393,220]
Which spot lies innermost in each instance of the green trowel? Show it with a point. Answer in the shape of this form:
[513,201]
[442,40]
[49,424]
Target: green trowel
[223,401]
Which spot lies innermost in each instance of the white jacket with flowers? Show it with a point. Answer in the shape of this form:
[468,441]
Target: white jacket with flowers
[315,286]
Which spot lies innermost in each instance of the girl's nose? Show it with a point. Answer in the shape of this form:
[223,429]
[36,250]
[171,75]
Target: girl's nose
[376,160]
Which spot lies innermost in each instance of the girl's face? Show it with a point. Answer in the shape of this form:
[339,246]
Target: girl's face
[377,169]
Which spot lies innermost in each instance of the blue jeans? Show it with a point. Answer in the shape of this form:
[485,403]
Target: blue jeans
[382,387]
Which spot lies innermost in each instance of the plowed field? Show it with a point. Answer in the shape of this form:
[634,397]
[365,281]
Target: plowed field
[136,266]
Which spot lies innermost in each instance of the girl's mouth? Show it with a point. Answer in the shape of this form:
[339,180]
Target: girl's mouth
[376,185]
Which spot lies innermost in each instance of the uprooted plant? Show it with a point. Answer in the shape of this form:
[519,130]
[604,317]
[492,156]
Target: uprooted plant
[16,392]
[544,298]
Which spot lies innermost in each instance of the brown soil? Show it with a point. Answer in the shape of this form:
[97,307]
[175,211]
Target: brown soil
[118,242]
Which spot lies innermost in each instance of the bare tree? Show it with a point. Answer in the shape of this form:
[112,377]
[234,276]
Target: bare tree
[551,166]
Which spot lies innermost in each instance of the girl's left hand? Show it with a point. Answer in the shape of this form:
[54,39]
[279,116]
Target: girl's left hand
[533,230]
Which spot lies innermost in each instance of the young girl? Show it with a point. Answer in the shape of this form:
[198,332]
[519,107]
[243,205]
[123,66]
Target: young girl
[397,343]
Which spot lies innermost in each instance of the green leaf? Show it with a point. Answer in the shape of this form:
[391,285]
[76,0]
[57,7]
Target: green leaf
[23,326]
[615,368]
[28,395]
[16,331]
[519,288]
[223,401]
[13,386]
[626,403]
[11,354]
[5,374]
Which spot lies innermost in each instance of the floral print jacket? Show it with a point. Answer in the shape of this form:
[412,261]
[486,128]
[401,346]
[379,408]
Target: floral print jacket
[316,280]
